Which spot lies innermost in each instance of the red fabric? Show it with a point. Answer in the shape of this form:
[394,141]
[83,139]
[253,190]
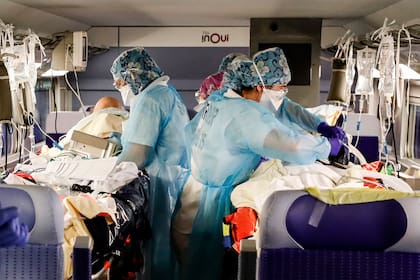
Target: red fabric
[377,183]
[25,175]
[373,166]
[242,225]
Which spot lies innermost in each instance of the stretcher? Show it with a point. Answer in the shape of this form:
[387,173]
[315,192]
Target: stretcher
[301,236]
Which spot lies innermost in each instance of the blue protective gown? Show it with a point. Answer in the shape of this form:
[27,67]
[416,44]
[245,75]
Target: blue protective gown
[291,113]
[157,120]
[230,135]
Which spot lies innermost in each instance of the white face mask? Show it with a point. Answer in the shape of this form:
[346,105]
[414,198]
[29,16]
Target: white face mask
[271,98]
[275,96]
[127,94]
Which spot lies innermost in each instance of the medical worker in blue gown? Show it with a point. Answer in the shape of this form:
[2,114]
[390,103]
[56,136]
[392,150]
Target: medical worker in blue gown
[273,92]
[154,139]
[229,137]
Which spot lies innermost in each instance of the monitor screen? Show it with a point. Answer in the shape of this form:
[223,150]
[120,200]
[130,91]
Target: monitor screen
[299,59]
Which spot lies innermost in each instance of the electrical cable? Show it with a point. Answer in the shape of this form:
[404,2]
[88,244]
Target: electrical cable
[76,93]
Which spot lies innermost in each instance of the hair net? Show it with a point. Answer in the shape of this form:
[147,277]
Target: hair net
[234,75]
[137,68]
[210,84]
[272,66]
[227,60]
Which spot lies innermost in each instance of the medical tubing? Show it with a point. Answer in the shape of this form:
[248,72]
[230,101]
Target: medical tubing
[353,149]
[359,120]
[74,91]
[55,144]
[32,138]
[20,138]
[18,133]
[77,94]
[362,180]
[397,69]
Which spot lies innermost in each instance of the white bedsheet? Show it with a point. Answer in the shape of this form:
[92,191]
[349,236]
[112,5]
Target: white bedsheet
[272,176]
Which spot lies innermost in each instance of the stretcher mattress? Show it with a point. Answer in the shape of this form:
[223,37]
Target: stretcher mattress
[301,237]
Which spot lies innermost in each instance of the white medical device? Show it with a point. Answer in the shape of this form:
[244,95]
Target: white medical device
[71,53]
[91,146]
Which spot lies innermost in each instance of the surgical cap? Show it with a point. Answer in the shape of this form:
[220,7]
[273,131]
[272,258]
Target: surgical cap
[227,60]
[210,84]
[272,66]
[137,68]
[234,75]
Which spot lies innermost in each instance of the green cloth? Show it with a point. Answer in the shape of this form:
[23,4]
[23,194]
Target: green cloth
[360,195]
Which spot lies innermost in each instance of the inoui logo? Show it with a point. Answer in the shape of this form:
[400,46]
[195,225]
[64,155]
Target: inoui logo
[214,38]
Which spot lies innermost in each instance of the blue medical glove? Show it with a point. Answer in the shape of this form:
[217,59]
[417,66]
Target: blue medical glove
[336,145]
[115,138]
[12,232]
[331,131]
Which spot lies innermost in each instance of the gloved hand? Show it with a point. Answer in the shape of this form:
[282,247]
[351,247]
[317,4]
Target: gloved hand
[336,145]
[331,131]
[12,232]
[115,138]
[342,158]
[243,223]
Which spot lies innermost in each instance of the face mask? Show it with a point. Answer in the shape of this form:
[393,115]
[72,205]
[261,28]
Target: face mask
[271,98]
[275,96]
[127,94]
[266,102]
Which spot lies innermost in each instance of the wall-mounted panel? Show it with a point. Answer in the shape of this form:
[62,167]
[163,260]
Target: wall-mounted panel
[103,36]
[184,36]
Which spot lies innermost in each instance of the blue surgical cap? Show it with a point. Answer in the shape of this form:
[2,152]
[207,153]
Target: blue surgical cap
[137,68]
[272,66]
[227,60]
[233,77]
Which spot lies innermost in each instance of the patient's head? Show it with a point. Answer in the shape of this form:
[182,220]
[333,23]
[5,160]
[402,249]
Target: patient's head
[107,102]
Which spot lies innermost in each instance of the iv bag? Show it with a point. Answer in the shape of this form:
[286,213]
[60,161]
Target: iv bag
[365,64]
[23,105]
[386,84]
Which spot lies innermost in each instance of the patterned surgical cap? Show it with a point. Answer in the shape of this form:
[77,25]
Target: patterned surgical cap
[210,84]
[272,66]
[234,76]
[227,60]
[137,68]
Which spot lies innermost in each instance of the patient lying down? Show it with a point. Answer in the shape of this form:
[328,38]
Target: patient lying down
[272,176]
[105,121]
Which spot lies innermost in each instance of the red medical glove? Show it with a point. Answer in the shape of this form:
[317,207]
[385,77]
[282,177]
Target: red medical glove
[242,225]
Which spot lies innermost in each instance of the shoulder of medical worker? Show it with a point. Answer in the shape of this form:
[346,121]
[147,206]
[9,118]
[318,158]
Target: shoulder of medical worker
[247,107]
[159,96]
